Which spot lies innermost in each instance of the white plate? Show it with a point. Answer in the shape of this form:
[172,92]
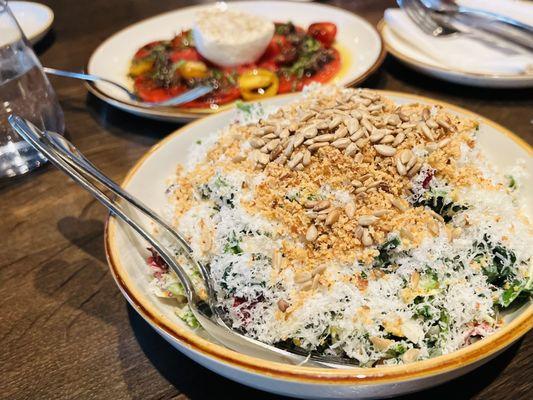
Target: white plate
[35,19]
[359,40]
[126,256]
[409,55]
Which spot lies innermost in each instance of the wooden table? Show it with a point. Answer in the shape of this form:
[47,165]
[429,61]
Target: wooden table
[65,329]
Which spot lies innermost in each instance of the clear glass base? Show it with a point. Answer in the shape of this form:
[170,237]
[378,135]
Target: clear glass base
[18,158]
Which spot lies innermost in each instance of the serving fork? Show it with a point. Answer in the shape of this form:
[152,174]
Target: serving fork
[182,98]
[484,27]
[66,157]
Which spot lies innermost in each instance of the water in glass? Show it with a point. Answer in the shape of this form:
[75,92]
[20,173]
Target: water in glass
[24,90]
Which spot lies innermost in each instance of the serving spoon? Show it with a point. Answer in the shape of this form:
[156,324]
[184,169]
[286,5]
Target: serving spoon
[182,98]
[66,157]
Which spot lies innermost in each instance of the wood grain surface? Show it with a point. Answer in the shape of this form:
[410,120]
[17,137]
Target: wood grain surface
[65,329]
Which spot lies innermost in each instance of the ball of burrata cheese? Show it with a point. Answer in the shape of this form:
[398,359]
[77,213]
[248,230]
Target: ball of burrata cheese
[229,38]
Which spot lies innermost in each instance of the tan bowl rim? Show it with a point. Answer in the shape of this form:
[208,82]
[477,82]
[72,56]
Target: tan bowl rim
[359,376]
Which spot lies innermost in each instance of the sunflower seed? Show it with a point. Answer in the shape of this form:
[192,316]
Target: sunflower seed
[366,239]
[410,355]
[302,276]
[400,137]
[310,132]
[376,136]
[289,148]
[298,139]
[307,158]
[431,147]
[406,155]
[411,162]
[257,143]
[307,116]
[385,150]
[357,183]
[361,143]
[328,137]
[316,146]
[322,205]
[341,143]
[398,203]
[380,213]
[361,189]
[367,125]
[311,234]
[341,132]
[283,305]
[272,145]
[400,167]
[295,160]
[433,227]
[404,233]
[432,123]
[351,149]
[424,129]
[263,158]
[310,203]
[366,220]
[309,142]
[444,124]
[357,135]
[352,124]
[284,134]
[333,217]
[414,169]
[393,119]
[444,142]
[404,116]
[349,209]
[387,139]
[358,158]
[426,113]
[270,136]
[356,114]
[275,153]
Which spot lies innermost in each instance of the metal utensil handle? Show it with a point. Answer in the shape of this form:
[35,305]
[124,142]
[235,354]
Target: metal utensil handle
[88,77]
[494,16]
[73,155]
[36,138]
[521,34]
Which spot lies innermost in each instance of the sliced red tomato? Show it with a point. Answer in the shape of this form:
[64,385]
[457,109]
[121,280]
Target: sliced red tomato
[146,49]
[276,45]
[186,54]
[147,90]
[328,71]
[219,97]
[324,32]
[288,84]
[181,40]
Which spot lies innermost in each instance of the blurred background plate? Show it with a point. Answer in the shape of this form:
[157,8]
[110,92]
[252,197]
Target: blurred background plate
[409,55]
[35,19]
[359,43]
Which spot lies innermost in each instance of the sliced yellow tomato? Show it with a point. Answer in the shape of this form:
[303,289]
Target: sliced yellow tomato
[139,67]
[258,83]
[193,69]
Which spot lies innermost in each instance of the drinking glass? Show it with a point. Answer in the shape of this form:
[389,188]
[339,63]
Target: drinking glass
[24,90]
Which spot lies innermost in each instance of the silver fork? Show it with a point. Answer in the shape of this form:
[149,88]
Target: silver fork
[64,155]
[440,24]
[183,98]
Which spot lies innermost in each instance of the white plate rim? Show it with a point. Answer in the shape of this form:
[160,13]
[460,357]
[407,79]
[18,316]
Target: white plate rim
[43,30]
[181,115]
[466,356]
[514,81]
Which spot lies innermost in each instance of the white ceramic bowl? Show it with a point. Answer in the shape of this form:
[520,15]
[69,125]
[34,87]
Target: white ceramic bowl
[126,255]
[359,43]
